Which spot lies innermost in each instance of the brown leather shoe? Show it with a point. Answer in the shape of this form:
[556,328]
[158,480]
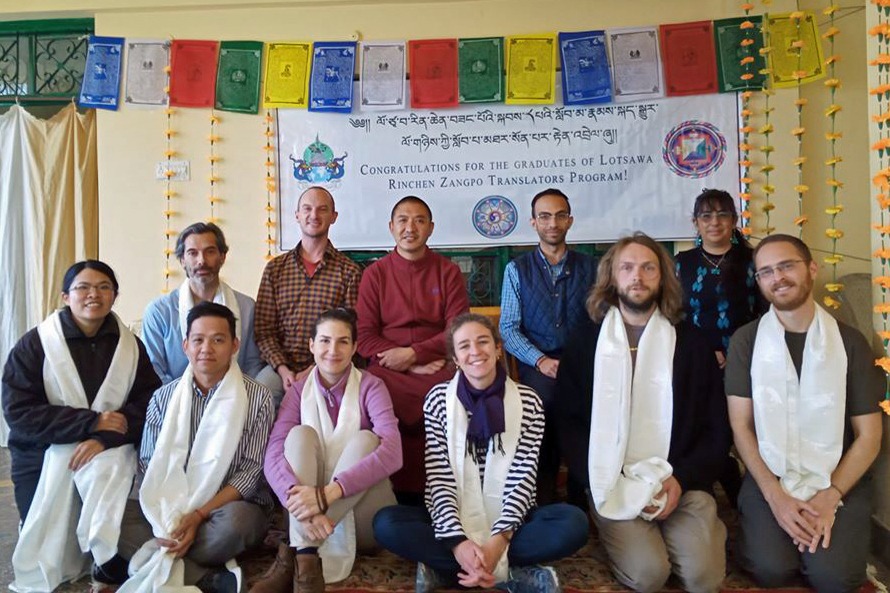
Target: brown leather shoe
[308,577]
[280,576]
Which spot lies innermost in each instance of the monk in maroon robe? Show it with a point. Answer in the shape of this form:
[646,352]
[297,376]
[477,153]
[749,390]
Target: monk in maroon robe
[405,302]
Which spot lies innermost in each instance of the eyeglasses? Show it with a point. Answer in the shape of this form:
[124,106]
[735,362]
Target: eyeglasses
[767,273]
[88,288]
[721,215]
[548,216]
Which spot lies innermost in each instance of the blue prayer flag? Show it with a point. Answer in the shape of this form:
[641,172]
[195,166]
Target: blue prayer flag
[333,66]
[102,73]
[585,68]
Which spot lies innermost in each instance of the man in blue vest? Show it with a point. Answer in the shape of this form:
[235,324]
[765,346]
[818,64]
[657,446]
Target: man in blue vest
[543,298]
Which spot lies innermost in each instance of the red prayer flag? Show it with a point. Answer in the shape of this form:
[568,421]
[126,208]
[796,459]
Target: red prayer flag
[689,58]
[193,73]
[433,71]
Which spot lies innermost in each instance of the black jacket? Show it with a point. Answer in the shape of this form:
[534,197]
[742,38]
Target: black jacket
[700,433]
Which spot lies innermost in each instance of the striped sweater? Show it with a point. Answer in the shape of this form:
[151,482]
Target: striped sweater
[441,486]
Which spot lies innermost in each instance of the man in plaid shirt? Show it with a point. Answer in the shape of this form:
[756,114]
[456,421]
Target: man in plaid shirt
[296,288]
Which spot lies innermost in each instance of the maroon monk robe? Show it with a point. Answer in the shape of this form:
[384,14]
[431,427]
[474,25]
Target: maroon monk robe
[409,303]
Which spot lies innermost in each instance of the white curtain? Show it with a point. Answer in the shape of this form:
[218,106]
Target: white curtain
[48,214]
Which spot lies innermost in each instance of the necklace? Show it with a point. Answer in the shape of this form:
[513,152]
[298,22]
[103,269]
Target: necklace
[714,264]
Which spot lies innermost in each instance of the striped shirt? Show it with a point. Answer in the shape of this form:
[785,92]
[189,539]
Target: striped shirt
[245,474]
[289,301]
[441,486]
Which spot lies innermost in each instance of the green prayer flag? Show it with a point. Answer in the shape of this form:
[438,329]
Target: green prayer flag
[238,76]
[481,70]
[728,37]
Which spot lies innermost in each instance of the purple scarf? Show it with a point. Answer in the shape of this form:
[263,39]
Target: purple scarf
[486,410]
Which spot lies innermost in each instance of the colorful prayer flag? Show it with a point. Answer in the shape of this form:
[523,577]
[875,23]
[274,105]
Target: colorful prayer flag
[636,67]
[146,72]
[238,76]
[287,74]
[383,76]
[333,68]
[102,73]
[193,73]
[433,72]
[689,58]
[585,68]
[480,64]
[789,63]
[728,37]
[531,69]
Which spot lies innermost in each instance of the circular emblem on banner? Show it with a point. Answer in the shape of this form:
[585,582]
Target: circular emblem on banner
[495,217]
[694,149]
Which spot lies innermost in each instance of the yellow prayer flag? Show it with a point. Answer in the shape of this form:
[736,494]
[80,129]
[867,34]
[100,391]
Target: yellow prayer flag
[797,50]
[531,69]
[287,74]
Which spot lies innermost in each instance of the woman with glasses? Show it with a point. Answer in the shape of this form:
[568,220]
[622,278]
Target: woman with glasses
[75,391]
[720,293]
[717,275]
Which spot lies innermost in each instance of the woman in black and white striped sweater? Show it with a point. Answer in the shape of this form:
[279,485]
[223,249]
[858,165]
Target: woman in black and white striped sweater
[483,436]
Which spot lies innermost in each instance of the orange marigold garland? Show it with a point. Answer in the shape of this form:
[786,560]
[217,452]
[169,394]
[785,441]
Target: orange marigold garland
[214,178]
[797,46]
[270,183]
[882,254]
[169,194]
[766,130]
[745,146]
[832,232]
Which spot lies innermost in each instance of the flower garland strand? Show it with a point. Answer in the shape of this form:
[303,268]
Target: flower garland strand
[270,184]
[169,194]
[797,46]
[832,232]
[882,94]
[745,146]
[766,129]
[214,159]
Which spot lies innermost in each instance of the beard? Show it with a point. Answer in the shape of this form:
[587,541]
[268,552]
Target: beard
[639,306]
[793,301]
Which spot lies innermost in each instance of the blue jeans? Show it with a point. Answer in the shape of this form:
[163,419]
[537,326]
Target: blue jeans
[550,532]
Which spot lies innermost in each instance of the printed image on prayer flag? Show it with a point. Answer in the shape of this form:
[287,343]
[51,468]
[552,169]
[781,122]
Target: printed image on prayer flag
[732,74]
[287,75]
[102,74]
[531,69]
[585,68]
[333,66]
[796,55]
[193,73]
[238,76]
[146,77]
[433,73]
[636,67]
[382,81]
[480,65]
[689,58]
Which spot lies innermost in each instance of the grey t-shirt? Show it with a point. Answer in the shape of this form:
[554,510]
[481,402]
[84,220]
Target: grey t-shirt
[865,381]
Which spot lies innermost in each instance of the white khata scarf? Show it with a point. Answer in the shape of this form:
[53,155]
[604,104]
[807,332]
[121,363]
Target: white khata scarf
[480,503]
[61,528]
[171,489]
[224,296]
[800,422]
[338,550]
[631,418]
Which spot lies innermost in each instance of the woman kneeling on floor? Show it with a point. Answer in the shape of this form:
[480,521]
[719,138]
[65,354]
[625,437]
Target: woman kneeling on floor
[483,436]
[332,449]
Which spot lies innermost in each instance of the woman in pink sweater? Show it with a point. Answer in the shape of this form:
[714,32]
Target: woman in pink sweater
[332,449]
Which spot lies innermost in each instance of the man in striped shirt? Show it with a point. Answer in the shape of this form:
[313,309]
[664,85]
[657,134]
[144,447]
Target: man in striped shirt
[213,527]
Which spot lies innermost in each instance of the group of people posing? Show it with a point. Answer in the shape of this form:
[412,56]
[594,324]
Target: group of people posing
[377,411]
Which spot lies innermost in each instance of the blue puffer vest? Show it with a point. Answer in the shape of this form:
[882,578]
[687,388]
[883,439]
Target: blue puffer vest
[550,312]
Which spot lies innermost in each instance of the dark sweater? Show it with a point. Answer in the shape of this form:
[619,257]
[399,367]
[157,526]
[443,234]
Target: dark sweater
[35,424]
[700,433]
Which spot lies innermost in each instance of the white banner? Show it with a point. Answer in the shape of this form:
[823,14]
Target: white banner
[624,167]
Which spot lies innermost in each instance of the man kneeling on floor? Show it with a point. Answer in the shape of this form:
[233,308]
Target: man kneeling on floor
[202,492]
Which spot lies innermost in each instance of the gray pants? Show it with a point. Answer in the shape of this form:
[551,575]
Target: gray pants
[269,377]
[229,530]
[691,543]
[302,449]
[767,552]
